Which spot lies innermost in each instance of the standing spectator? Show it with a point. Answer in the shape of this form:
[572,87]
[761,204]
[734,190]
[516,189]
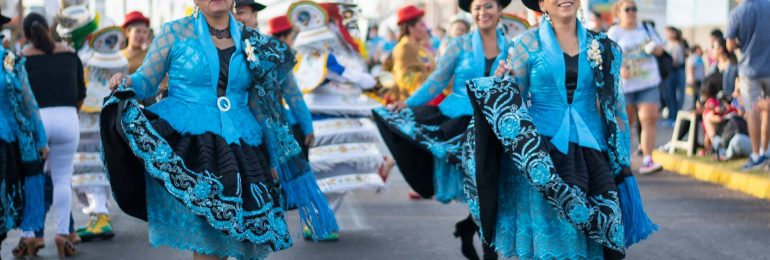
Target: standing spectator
[695,68]
[747,30]
[375,45]
[726,66]
[640,77]
[57,80]
[716,35]
[673,85]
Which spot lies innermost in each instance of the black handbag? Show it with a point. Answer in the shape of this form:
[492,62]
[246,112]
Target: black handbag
[665,61]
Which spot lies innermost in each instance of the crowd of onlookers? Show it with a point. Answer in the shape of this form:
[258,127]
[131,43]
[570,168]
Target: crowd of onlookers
[728,94]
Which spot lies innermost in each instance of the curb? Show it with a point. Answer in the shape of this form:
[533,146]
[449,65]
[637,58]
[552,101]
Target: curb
[757,186]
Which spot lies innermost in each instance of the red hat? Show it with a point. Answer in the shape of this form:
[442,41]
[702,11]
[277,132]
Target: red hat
[134,17]
[408,13]
[278,24]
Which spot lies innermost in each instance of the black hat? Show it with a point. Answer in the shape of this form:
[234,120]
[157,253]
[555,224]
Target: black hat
[533,5]
[254,5]
[4,19]
[466,4]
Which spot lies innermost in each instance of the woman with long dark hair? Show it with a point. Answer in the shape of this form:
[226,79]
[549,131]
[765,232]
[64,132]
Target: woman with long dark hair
[547,156]
[210,166]
[426,141]
[56,77]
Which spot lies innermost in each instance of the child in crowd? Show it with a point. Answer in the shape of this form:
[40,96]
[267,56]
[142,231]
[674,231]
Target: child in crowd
[726,133]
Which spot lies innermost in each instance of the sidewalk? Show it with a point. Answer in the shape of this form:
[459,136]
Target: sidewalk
[728,174]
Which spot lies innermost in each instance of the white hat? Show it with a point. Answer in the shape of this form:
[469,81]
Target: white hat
[73,18]
[106,44]
[513,25]
[312,22]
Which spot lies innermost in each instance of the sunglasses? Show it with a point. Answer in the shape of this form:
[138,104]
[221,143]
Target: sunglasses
[630,9]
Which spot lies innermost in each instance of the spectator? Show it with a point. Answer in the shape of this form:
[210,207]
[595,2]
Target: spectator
[713,111]
[726,134]
[695,68]
[640,77]
[673,85]
[716,35]
[747,30]
[725,67]
[374,45]
[595,22]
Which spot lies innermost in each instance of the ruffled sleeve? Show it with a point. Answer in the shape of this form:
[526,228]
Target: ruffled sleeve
[518,61]
[293,97]
[148,77]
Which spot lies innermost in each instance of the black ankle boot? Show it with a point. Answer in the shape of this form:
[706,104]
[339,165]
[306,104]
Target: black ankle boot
[489,252]
[465,230]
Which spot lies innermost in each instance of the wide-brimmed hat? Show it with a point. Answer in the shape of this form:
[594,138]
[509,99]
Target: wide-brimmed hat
[135,17]
[533,5]
[4,19]
[465,5]
[278,24]
[408,13]
[106,44]
[254,5]
[73,18]
[312,22]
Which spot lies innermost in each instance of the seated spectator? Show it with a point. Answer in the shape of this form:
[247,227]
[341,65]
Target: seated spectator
[726,134]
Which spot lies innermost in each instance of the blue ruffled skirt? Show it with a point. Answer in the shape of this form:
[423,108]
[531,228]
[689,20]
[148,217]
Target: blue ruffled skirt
[529,228]
[170,223]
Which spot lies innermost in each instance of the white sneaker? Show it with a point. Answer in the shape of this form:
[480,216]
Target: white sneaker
[650,168]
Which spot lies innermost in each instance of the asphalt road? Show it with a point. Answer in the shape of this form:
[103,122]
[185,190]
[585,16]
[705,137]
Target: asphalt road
[698,221]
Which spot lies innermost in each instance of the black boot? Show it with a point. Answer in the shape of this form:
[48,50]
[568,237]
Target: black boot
[489,252]
[466,230]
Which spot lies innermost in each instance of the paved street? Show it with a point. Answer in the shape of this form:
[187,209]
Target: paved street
[698,221]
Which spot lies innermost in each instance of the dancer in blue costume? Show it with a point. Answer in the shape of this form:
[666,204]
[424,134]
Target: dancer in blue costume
[23,147]
[214,150]
[426,141]
[551,180]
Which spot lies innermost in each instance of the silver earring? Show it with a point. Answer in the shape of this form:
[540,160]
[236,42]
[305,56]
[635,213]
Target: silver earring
[547,17]
[195,12]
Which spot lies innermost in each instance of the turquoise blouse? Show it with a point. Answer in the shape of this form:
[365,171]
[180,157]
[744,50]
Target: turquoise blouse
[463,60]
[8,124]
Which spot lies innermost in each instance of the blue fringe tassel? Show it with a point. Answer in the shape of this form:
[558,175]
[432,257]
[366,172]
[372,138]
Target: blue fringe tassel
[636,223]
[314,210]
[34,206]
